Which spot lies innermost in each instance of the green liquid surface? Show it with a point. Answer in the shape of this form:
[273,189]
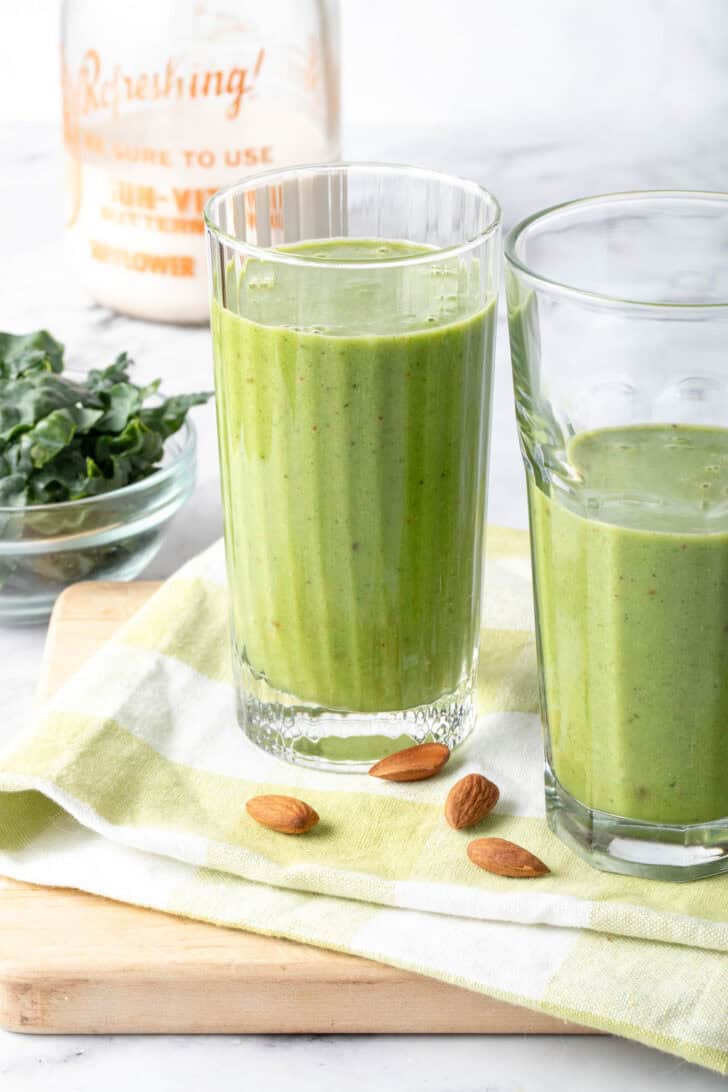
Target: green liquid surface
[632,607]
[352,413]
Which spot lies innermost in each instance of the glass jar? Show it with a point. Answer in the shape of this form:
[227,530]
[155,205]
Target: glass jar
[166,102]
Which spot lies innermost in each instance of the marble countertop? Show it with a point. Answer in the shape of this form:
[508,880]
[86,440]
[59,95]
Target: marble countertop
[37,288]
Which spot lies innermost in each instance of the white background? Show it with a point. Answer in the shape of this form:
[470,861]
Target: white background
[527,96]
[568,66]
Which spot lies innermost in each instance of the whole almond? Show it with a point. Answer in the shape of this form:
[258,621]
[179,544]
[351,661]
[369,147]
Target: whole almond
[413,763]
[470,800]
[285,814]
[505,858]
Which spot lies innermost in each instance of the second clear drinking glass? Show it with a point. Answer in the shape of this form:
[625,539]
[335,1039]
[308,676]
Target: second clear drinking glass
[353,322]
[618,313]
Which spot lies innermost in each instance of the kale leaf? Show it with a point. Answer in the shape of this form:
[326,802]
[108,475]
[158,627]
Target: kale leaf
[64,438]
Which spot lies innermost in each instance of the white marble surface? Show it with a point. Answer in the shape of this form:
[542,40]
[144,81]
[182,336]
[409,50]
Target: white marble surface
[36,288]
[343,1063]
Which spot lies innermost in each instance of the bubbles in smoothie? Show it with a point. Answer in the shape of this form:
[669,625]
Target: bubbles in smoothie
[314,329]
[257,283]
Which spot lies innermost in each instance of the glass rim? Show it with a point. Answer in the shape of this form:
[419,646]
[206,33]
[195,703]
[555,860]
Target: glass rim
[252,181]
[558,287]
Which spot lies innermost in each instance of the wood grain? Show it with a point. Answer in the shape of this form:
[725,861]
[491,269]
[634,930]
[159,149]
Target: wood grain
[75,963]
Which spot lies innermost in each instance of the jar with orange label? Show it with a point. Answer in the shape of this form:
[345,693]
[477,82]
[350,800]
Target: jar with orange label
[165,101]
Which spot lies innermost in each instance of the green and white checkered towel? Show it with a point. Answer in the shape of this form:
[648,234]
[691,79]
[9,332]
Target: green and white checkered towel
[132,782]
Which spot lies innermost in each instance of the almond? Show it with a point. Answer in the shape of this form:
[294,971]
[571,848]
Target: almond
[285,814]
[413,763]
[470,800]
[505,858]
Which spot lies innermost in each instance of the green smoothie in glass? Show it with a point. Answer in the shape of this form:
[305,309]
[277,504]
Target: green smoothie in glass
[631,574]
[353,455]
[618,319]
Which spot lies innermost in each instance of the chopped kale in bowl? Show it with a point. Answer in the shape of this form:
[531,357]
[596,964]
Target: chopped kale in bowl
[92,467]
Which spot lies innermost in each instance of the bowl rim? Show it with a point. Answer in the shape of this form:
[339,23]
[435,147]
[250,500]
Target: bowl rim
[186,436]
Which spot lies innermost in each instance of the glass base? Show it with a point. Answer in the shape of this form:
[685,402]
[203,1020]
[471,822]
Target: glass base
[631,847]
[345,742]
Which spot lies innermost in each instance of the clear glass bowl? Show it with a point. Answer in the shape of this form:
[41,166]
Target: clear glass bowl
[113,536]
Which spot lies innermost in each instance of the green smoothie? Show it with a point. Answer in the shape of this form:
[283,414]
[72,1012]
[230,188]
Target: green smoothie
[631,575]
[352,419]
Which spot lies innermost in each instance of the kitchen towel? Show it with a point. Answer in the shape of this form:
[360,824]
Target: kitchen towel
[132,781]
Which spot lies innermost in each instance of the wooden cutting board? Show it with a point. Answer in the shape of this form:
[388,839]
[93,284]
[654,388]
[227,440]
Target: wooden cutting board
[76,963]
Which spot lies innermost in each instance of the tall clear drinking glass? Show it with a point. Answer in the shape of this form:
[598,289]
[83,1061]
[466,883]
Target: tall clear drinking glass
[618,314]
[353,326]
